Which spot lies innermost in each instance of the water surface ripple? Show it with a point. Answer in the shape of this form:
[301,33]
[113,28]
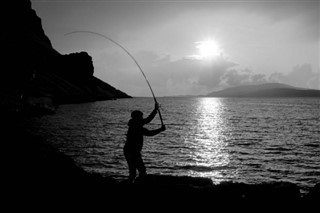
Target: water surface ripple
[250,140]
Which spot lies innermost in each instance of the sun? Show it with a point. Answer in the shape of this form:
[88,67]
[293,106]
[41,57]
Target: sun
[208,49]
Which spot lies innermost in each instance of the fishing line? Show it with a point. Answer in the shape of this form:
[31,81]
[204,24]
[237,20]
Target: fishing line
[136,62]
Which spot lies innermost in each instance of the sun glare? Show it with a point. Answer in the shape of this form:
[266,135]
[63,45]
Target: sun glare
[208,49]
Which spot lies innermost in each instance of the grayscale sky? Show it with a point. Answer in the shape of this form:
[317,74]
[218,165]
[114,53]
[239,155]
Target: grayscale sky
[190,47]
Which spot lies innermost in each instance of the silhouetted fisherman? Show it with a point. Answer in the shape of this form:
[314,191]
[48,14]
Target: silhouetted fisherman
[134,143]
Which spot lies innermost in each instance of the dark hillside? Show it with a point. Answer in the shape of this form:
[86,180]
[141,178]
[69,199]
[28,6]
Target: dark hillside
[265,90]
[36,76]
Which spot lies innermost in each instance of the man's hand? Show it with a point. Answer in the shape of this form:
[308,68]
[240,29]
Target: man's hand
[156,106]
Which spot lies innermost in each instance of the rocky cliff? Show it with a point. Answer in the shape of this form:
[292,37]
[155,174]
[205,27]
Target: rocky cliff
[36,76]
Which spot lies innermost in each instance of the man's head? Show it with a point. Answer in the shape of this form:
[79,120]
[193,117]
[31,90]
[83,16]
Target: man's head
[137,115]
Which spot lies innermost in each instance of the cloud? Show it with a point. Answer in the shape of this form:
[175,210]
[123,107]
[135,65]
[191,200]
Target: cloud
[258,79]
[185,76]
[300,76]
[235,78]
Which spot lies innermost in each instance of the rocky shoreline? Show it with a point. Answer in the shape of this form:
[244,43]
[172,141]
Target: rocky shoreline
[34,166]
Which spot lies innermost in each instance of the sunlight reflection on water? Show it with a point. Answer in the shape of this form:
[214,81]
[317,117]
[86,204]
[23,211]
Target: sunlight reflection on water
[244,140]
[208,151]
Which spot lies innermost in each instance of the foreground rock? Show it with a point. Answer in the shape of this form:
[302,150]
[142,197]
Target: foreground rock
[35,171]
[192,191]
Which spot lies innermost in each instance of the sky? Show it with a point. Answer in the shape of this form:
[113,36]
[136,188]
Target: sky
[190,47]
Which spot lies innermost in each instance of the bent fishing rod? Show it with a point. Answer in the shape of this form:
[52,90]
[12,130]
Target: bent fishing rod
[135,61]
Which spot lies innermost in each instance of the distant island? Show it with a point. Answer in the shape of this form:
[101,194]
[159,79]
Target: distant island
[265,90]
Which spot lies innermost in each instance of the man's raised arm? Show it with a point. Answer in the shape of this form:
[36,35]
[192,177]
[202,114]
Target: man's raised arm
[152,115]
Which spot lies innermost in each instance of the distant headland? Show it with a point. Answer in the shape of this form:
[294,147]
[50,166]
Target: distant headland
[265,90]
[259,90]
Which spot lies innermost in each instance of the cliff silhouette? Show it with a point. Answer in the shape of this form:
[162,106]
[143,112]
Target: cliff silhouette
[36,76]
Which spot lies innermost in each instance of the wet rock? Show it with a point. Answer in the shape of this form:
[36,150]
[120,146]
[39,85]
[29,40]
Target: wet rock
[185,191]
[37,171]
[312,199]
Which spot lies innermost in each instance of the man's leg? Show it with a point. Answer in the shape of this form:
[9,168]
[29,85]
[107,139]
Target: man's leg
[131,165]
[140,166]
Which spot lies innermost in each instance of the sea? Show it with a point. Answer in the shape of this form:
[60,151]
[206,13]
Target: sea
[246,140]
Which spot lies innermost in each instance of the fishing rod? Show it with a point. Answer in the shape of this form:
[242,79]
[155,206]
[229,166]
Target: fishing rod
[136,62]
